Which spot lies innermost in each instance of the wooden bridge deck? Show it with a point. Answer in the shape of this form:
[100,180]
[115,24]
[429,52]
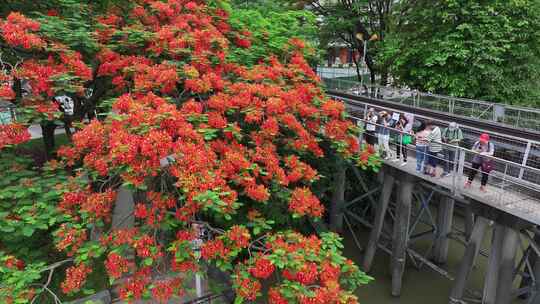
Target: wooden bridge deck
[508,200]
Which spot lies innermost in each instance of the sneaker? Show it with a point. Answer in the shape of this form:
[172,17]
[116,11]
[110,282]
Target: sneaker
[403,164]
[395,159]
[446,174]
[483,188]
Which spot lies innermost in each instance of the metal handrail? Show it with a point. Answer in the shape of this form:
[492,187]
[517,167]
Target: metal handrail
[465,150]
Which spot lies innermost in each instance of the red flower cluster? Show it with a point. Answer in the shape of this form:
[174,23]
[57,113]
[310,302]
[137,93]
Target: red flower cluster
[75,278]
[299,170]
[18,31]
[12,262]
[305,260]
[214,249]
[304,202]
[116,265]
[13,134]
[262,269]
[6,92]
[70,239]
[239,236]
[247,289]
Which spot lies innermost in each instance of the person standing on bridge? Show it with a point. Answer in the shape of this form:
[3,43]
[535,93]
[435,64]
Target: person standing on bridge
[385,123]
[435,147]
[422,145]
[484,149]
[404,125]
[453,137]
[371,126]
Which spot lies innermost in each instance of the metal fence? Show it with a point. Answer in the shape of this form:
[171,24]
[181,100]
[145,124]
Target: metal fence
[518,117]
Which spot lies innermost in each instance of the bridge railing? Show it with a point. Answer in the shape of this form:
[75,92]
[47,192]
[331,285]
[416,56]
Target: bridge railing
[509,148]
[507,186]
[518,117]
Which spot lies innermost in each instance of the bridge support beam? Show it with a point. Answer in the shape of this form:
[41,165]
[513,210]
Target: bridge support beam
[535,292]
[469,221]
[532,280]
[494,261]
[445,216]
[401,232]
[380,213]
[465,267]
[507,265]
[338,198]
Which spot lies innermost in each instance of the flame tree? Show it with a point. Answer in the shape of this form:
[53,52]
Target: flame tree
[203,141]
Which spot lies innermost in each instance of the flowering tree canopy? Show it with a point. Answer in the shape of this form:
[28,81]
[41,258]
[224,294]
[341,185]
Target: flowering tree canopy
[203,141]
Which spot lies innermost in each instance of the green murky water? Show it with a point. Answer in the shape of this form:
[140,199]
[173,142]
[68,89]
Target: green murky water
[419,286]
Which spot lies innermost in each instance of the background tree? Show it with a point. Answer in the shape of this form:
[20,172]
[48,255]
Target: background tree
[341,21]
[271,25]
[487,50]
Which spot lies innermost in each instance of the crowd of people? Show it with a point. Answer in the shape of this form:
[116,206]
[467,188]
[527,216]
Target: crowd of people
[434,147]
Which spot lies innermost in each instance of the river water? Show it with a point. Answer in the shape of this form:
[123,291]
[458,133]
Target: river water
[419,286]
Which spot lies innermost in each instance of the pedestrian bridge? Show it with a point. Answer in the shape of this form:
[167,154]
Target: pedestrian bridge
[401,210]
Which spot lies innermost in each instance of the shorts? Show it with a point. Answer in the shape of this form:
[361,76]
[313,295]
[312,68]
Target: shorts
[433,159]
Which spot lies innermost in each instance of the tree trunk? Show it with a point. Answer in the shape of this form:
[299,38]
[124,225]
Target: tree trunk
[67,126]
[47,129]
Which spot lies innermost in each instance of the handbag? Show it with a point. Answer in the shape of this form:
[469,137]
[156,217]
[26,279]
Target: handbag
[407,139]
[477,159]
[487,165]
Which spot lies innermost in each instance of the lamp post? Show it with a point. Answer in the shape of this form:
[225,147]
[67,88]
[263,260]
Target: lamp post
[7,112]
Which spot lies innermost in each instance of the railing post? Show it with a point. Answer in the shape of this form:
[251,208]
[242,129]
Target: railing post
[455,168]
[461,166]
[525,159]
[502,183]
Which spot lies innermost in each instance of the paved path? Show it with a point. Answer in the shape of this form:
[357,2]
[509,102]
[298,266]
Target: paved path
[35,131]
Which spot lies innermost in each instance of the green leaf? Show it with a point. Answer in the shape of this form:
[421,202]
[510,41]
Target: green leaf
[27,231]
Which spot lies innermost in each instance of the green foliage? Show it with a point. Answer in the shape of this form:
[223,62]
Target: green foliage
[28,199]
[71,26]
[488,50]
[28,213]
[271,30]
